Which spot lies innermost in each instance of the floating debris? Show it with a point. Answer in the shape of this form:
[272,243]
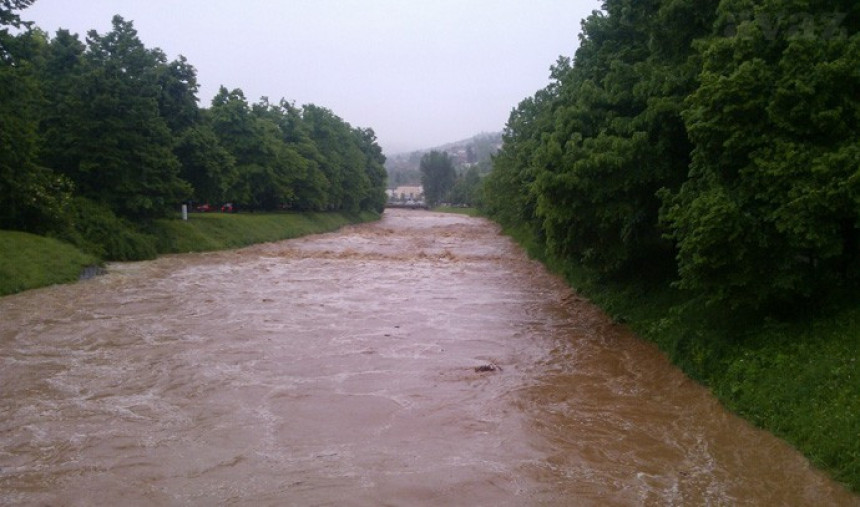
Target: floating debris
[488,367]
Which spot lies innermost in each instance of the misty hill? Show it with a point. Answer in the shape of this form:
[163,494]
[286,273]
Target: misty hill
[403,168]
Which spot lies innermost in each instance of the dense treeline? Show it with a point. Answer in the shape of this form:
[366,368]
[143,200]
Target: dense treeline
[99,137]
[710,143]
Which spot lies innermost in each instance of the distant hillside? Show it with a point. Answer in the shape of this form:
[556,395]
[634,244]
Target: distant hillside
[403,168]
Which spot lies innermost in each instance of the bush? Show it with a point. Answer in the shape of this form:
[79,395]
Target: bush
[95,229]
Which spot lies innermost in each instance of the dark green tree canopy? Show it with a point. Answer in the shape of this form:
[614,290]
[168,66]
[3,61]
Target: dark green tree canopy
[713,142]
[34,197]
[771,210]
[437,176]
[101,134]
[121,145]
[10,17]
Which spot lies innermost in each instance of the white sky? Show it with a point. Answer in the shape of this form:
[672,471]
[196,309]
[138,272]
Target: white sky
[419,73]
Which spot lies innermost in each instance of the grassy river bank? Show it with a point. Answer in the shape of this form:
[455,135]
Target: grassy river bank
[797,377]
[28,261]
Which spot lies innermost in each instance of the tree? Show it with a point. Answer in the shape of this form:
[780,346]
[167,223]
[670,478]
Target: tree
[109,137]
[177,100]
[34,197]
[205,164]
[618,137]
[467,188]
[508,191]
[308,159]
[374,168]
[771,212]
[264,180]
[10,18]
[298,156]
[61,76]
[437,176]
[351,160]
[324,129]
[98,136]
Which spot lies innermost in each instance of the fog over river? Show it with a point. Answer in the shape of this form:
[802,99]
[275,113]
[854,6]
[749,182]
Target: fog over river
[341,369]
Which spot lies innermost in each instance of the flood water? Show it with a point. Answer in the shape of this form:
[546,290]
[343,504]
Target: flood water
[340,369]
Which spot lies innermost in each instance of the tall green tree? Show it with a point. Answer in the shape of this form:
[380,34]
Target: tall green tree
[344,162]
[467,188]
[310,187]
[308,159]
[771,212]
[111,139]
[177,100]
[34,197]
[61,76]
[437,176]
[324,129]
[205,164]
[509,193]
[264,178]
[10,17]
[730,125]
[296,157]
[617,136]
[374,167]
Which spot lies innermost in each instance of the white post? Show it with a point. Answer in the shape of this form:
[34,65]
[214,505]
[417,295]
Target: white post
[184,212]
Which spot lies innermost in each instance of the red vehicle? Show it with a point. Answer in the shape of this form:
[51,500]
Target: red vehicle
[228,208]
[204,208]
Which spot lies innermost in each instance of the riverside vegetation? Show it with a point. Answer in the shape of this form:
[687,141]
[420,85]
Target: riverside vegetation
[29,261]
[102,140]
[695,170]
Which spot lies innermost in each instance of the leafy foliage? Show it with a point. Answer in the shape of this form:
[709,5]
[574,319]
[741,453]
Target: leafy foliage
[467,188]
[720,134]
[205,163]
[107,135]
[123,144]
[98,231]
[770,213]
[34,197]
[9,17]
[437,176]
[694,170]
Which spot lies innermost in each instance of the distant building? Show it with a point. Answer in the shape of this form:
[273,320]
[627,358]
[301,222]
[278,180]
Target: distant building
[406,197]
[406,194]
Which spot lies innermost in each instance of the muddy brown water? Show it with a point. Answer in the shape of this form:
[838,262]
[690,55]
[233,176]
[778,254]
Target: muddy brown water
[340,369]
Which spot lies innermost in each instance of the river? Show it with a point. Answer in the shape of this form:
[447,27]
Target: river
[419,360]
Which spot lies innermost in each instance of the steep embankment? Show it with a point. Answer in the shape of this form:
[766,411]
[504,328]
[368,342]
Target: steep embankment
[28,261]
[217,231]
[797,377]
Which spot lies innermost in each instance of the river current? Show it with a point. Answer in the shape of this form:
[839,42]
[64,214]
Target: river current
[419,360]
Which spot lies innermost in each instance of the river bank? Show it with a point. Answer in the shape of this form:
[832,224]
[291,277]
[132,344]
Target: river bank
[28,261]
[349,367]
[797,377]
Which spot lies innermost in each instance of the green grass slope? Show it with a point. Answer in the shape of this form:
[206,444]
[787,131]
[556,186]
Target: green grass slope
[798,377]
[218,231]
[28,261]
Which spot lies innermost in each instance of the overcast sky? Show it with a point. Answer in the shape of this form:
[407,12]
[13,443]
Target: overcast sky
[419,73]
